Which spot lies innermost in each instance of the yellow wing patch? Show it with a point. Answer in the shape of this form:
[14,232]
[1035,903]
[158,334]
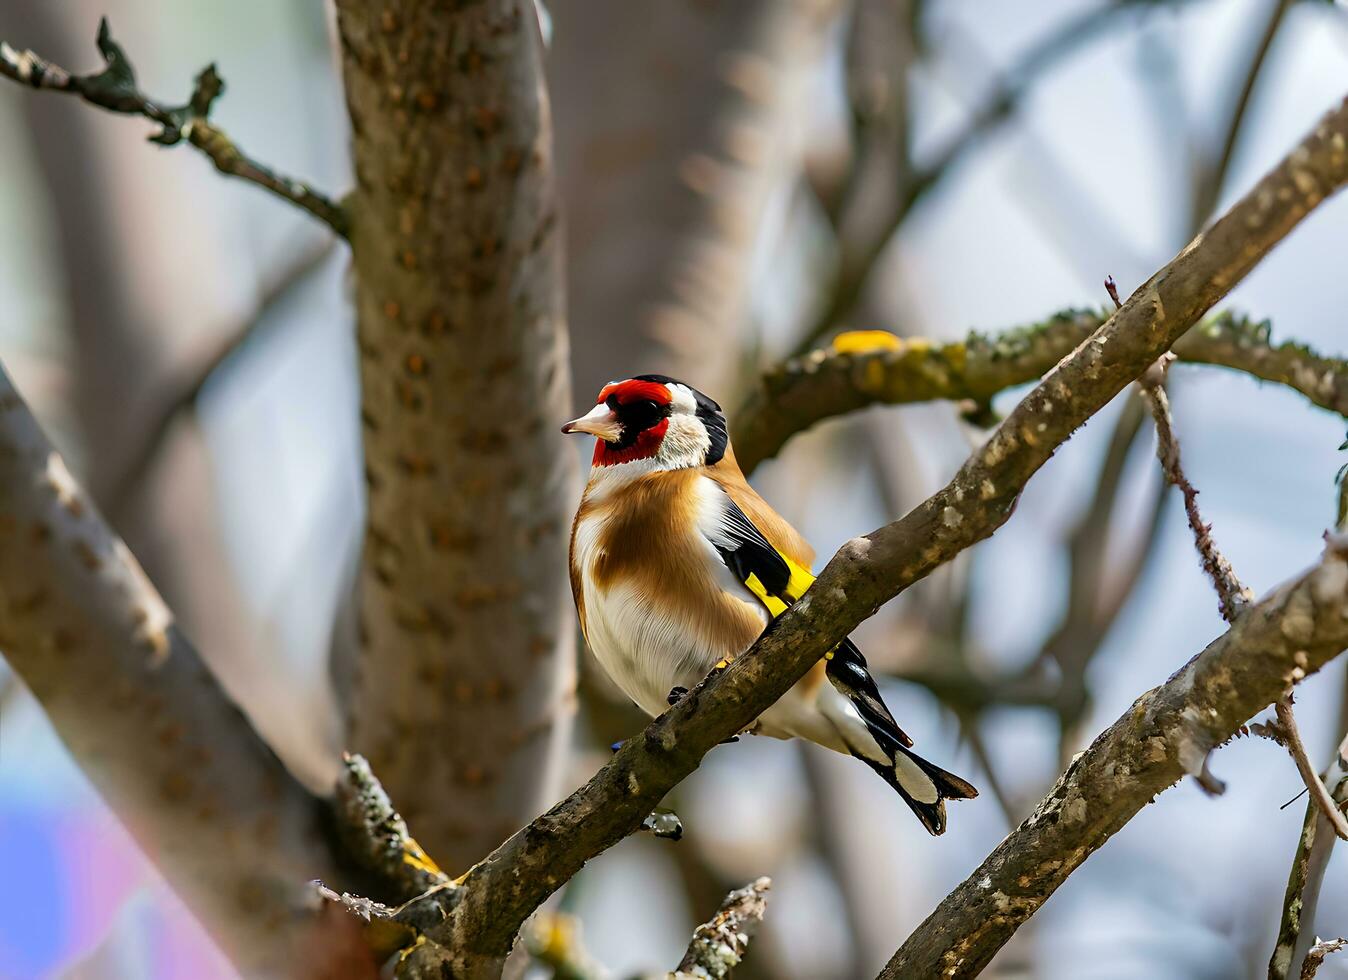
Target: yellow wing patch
[801,579]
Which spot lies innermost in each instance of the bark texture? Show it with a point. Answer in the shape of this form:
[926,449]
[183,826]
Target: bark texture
[1296,930]
[503,889]
[467,651]
[1168,732]
[878,368]
[232,831]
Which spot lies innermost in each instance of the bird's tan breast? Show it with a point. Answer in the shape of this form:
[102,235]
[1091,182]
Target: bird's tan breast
[639,544]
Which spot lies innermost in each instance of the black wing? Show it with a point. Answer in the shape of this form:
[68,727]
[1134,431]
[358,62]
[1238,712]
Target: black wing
[747,553]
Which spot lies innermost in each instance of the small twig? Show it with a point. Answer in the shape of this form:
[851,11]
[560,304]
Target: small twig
[990,778]
[1211,174]
[364,908]
[1317,954]
[375,836]
[1232,596]
[114,88]
[1319,793]
[719,944]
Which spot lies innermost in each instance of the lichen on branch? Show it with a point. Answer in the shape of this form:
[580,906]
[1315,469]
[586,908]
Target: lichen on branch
[500,891]
[230,829]
[849,376]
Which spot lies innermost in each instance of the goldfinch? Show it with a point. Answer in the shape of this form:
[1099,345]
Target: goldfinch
[678,565]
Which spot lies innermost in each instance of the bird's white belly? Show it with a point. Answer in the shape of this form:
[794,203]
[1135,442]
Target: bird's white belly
[644,644]
[646,652]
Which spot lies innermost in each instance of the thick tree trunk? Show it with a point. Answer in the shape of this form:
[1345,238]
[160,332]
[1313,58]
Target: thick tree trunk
[467,652]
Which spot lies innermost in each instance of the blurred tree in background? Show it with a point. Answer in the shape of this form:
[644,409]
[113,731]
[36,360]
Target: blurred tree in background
[323,422]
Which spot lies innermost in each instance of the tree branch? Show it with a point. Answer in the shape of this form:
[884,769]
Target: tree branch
[228,826]
[1314,847]
[1167,732]
[376,837]
[1320,795]
[462,339]
[485,914]
[719,944]
[1231,594]
[1316,956]
[887,370]
[1212,172]
[114,88]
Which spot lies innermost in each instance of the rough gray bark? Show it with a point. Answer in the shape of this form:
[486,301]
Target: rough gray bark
[666,185]
[480,919]
[232,831]
[719,944]
[467,651]
[1296,931]
[1167,733]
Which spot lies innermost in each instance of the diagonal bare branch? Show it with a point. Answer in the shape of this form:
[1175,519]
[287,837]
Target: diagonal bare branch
[497,895]
[114,88]
[1320,795]
[1212,172]
[154,437]
[1166,733]
[229,827]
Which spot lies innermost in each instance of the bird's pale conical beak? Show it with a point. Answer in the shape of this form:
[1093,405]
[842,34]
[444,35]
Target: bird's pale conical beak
[601,421]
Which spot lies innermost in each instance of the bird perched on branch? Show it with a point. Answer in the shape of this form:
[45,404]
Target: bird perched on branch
[678,565]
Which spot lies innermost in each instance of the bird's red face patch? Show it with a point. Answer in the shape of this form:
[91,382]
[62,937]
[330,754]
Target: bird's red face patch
[630,392]
[642,408]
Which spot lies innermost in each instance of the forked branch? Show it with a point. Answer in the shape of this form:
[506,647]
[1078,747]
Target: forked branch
[503,889]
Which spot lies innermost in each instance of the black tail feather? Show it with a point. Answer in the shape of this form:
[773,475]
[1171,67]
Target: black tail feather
[848,673]
[948,787]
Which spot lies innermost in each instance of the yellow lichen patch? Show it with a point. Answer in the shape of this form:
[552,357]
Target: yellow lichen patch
[419,859]
[409,950]
[865,342]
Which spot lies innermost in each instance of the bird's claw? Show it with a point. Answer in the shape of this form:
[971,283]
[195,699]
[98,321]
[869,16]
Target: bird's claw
[675,695]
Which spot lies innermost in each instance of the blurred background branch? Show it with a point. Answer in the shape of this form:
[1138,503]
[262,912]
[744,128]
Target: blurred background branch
[114,88]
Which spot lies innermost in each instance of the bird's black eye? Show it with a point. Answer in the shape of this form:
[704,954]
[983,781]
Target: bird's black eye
[651,406]
[612,402]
